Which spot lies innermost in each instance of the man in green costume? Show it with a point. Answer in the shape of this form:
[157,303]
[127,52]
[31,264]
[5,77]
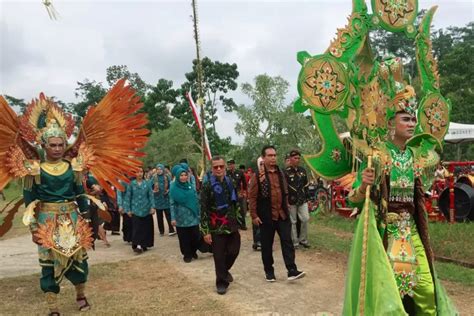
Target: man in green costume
[401,214]
[57,225]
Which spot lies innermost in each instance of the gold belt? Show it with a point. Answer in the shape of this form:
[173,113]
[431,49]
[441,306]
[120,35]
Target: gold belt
[61,207]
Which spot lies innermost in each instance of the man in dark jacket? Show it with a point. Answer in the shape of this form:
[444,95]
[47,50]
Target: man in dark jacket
[219,222]
[297,180]
[269,209]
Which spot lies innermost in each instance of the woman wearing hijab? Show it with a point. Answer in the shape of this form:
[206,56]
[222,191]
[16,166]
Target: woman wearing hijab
[140,206]
[161,187]
[185,213]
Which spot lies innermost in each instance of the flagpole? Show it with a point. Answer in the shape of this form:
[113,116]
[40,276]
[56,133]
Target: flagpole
[200,100]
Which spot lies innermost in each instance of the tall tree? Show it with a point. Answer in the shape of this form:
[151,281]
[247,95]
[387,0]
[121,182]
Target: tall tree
[157,101]
[172,144]
[117,72]
[218,80]
[20,103]
[90,93]
[270,120]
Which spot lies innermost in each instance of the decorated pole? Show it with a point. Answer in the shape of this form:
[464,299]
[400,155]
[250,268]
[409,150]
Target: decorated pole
[200,100]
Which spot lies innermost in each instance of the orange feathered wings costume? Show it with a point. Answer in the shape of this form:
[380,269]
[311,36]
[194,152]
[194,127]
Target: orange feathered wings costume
[108,143]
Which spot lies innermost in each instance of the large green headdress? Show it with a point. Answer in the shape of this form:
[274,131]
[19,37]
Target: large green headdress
[349,82]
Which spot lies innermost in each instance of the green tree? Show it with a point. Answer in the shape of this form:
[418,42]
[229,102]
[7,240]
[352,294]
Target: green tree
[270,120]
[457,82]
[218,80]
[14,102]
[157,101]
[90,93]
[117,72]
[172,144]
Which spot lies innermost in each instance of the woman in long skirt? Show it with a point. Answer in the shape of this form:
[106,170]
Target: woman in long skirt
[185,213]
[161,186]
[140,205]
[126,219]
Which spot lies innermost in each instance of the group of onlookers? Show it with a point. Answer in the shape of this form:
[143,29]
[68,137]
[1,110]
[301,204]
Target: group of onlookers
[208,215]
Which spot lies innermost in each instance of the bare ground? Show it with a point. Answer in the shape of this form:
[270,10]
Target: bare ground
[159,282]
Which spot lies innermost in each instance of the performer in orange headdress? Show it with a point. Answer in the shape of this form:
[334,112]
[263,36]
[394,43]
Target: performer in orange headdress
[35,147]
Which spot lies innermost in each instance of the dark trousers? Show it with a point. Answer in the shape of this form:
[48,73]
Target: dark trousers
[127,228]
[114,224]
[143,232]
[256,234]
[267,231]
[225,248]
[189,239]
[159,217]
[243,211]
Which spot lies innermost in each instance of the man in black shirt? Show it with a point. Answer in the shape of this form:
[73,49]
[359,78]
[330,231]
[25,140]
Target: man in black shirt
[297,199]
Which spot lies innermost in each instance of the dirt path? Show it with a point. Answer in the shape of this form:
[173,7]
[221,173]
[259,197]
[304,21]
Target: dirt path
[319,293]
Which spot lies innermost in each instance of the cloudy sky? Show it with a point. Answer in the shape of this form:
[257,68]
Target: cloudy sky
[155,39]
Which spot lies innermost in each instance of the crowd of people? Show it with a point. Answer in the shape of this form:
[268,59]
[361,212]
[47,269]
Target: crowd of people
[207,214]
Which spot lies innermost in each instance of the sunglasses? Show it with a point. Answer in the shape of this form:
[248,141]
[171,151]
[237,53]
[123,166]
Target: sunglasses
[218,167]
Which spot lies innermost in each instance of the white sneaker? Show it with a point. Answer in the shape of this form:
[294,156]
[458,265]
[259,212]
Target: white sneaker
[172,234]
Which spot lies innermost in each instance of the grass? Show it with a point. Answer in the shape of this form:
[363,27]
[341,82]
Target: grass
[333,233]
[453,241]
[124,288]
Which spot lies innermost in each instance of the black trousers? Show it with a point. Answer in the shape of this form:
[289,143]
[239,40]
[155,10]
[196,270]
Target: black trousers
[159,217]
[267,234]
[243,211]
[225,248]
[189,240]
[114,224]
[256,234]
[143,234]
[127,228]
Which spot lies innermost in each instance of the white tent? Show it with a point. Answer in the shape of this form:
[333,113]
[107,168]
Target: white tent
[458,133]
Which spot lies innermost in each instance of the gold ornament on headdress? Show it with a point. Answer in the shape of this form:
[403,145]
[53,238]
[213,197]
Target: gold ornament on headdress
[52,129]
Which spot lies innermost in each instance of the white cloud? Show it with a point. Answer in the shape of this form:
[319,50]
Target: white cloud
[155,39]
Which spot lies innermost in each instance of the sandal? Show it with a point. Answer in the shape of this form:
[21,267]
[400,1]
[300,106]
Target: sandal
[83,304]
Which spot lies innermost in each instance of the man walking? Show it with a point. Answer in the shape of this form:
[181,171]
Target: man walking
[297,180]
[240,185]
[269,209]
[219,222]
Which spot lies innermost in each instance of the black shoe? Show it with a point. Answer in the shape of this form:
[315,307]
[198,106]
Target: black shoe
[243,228]
[305,245]
[229,278]
[195,256]
[295,274]
[116,233]
[138,250]
[145,249]
[270,277]
[187,259]
[221,289]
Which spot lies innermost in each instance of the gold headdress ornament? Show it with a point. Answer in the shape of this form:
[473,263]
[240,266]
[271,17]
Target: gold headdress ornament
[404,101]
[43,119]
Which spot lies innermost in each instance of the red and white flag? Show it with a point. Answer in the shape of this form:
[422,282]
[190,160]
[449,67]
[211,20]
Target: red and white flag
[197,118]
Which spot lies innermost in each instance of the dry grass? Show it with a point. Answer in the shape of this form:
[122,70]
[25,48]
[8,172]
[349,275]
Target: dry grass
[147,285]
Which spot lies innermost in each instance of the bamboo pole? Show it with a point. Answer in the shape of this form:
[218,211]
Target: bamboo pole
[363,264]
[200,100]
